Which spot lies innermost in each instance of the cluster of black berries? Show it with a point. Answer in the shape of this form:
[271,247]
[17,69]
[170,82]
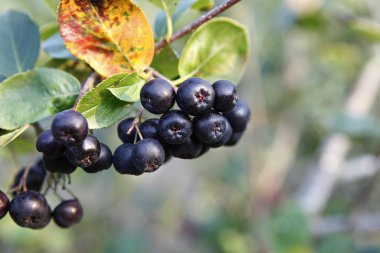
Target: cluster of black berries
[30,209]
[209,116]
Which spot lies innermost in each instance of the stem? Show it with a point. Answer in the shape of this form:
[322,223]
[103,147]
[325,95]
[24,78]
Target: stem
[88,85]
[139,132]
[26,173]
[197,23]
[135,122]
[37,128]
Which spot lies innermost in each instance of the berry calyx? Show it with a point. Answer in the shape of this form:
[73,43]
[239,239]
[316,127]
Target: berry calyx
[69,127]
[209,128]
[225,96]
[104,161]
[4,204]
[122,160]
[189,149]
[85,153]
[157,96]
[195,96]
[239,116]
[68,213]
[226,137]
[148,155]
[30,209]
[122,131]
[48,145]
[175,127]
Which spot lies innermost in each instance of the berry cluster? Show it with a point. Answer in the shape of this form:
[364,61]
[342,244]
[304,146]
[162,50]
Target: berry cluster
[209,116]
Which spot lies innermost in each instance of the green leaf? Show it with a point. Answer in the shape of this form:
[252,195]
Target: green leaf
[19,43]
[367,28]
[53,6]
[166,62]
[128,88]
[31,96]
[216,50]
[47,30]
[169,5]
[55,48]
[101,107]
[7,136]
[203,5]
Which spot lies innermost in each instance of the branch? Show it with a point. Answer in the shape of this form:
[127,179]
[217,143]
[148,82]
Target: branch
[197,23]
[88,85]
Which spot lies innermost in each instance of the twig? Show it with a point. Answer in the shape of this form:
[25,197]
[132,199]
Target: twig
[88,85]
[135,122]
[37,128]
[156,74]
[197,23]
[26,173]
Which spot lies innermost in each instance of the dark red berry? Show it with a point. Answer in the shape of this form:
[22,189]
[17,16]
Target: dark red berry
[195,96]
[48,145]
[4,204]
[68,213]
[225,96]
[122,160]
[122,131]
[209,128]
[84,154]
[104,161]
[148,155]
[157,96]
[175,127]
[239,116]
[58,165]
[30,209]
[189,149]
[69,127]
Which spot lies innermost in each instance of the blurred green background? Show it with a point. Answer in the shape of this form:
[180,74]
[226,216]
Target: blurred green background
[303,179]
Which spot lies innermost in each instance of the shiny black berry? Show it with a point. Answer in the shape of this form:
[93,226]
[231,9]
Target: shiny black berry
[69,127]
[48,145]
[239,116]
[34,180]
[225,96]
[234,139]
[104,161]
[209,128]
[157,96]
[149,129]
[205,149]
[30,209]
[195,96]
[189,149]
[175,127]
[226,137]
[122,160]
[168,153]
[4,204]
[122,131]
[68,213]
[148,155]
[85,154]
[58,165]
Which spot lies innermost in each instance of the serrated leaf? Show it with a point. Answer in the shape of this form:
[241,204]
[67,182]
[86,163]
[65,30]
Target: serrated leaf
[55,48]
[47,30]
[128,88]
[112,36]
[7,136]
[101,107]
[169,5]
[166,62]
[31,96]
[19,43]
[216,50]
[203,5]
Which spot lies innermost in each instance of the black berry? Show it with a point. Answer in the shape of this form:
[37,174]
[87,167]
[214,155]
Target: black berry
[85,153]
[225,96]
[4,204]
[168,153]
[205,149]
[226,137]
[48,145]
[175,127]
[104,161]
[209,128]
[68,213]
[239,116]
[69,127]
[30,209]
[35,178]
[157,96]
[122,160]
[148,155]
[149,129]
[58,165]
[234,139]
[195,96]
[189,149]
[122,131]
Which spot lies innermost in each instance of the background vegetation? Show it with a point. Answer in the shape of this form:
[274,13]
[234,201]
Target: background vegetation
[304,178]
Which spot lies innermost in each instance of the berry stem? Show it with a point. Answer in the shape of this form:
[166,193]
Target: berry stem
[139,132]
[88,85]
[37,128]
[135,122]
[197,23]
[26,173]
